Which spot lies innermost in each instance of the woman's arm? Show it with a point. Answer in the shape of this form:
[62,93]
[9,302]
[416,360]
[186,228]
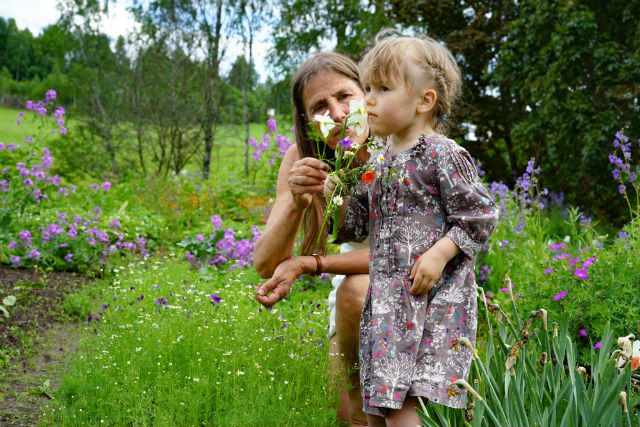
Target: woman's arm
[297,180]
[285,274]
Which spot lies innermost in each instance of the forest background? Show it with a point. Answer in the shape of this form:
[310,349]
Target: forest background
[552,80]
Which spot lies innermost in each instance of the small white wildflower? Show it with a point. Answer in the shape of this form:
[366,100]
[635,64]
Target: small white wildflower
[239,372]
[338,201]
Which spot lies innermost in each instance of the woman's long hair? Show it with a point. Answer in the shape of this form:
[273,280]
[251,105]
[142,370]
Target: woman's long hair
[325,61]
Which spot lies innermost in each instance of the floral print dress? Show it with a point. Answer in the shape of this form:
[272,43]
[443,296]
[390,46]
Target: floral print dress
[407,342]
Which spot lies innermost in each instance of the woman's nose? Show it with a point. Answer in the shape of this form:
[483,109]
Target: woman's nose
[338,112]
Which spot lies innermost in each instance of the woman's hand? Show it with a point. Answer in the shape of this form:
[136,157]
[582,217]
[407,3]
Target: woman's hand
[280,283]
[306,177]
[330,184]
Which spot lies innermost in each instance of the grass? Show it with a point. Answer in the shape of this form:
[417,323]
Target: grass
[166,352]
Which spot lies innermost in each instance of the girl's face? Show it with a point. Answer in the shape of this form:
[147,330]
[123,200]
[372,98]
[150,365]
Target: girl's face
[332,91]
[391,106]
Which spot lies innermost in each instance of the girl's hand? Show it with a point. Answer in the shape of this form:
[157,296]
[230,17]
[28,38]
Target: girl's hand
[280,283]
[427,270]
[306,177]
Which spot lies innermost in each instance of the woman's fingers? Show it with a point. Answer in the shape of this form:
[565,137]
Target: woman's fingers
[279,289]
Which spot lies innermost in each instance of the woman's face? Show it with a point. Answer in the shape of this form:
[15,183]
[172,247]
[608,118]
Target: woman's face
[332,91]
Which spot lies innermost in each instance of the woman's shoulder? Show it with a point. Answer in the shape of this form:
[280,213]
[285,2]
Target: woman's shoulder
[290,156]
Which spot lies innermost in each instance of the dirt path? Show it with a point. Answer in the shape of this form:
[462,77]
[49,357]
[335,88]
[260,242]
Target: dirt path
[34,341]
[22,395]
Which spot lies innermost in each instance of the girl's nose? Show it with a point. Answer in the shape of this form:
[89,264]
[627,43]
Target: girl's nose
[369,99]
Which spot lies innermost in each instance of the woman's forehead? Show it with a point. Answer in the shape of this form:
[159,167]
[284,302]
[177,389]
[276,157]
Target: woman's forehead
[327,84]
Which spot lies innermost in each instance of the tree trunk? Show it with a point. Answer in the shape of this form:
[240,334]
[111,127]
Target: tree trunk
[245,102]
[213,41]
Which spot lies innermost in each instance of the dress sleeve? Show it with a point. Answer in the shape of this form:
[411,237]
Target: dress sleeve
[471,212]
[355,226]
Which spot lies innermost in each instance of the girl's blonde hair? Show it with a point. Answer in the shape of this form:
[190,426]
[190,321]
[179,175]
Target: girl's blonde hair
[419,62]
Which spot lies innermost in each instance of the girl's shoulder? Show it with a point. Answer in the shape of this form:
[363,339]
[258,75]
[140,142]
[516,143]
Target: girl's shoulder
[446,146]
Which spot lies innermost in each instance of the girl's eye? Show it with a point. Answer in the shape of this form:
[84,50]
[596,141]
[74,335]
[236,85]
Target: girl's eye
[367,89]
[383,88]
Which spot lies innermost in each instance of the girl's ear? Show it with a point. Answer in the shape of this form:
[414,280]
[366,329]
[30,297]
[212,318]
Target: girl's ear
[427,101]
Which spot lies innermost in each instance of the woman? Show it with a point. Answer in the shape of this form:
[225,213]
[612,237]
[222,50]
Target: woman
[327,81]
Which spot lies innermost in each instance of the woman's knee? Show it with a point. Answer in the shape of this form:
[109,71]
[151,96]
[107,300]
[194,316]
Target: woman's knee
[351,294]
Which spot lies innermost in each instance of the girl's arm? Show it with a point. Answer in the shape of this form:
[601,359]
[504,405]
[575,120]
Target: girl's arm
[297,180]
[286,273]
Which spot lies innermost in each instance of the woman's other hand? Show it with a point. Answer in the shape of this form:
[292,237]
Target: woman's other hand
[280,283]
[306,177]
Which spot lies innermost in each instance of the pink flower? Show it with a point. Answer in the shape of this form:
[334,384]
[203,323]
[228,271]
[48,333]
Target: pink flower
[581,273]
[560,295]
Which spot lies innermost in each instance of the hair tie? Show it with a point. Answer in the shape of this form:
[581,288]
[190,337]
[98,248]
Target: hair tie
[444,117]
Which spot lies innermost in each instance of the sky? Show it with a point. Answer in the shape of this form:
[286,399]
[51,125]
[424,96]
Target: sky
[118,23]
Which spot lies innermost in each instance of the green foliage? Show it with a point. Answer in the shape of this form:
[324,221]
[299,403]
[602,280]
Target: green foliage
[77,305]
[530,376]
[576,66]
[175,348]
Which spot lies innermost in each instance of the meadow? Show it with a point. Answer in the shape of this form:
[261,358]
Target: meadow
[173,335]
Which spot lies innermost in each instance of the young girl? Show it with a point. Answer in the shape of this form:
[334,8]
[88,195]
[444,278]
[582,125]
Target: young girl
[427,214]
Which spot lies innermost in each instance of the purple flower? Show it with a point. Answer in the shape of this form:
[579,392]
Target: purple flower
[115,224]
[583,333]
[25,237]
[598,345]
[560,295]
[200,238]
[622,188]
[12,245]
[557,246]
[34,254]
[346,143]
[106,186]
[216,221]
[581,273]
[271,124]
[547,270]
[15,260]
[215,299]
[51,95]
[28,139]
[68,257]
[94,187]
[59,112]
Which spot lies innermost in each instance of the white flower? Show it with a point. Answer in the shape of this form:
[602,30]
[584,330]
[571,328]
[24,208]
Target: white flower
[355,146]
[380,158]
[326,123]
[239,372]
[358,119]
[348,153]
[338,201]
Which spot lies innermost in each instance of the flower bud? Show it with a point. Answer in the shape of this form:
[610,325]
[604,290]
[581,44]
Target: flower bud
[622,400]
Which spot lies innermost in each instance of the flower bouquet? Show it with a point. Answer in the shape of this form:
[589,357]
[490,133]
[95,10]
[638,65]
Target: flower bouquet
[345,174]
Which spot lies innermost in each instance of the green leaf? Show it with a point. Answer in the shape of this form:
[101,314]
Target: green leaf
[4,311]
[9,300]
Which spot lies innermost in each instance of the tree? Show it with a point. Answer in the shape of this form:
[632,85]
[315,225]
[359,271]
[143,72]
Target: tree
[575,66]
[16,50]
